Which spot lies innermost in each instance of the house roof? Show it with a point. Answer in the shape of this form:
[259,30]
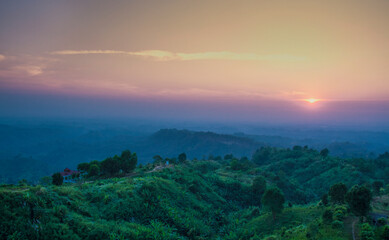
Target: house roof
[67,172]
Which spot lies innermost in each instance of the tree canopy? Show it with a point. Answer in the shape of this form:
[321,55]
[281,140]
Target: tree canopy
[274,200]
[338,192]
[359,198]
[57,179]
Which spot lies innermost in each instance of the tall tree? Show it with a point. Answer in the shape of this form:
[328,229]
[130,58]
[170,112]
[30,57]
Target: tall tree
[83,167]
[324,153]
[126,161]
[258,188]
[359,198]
[338,192]
[133,162]
[57,179]
[259,185]
[110,166]
[157,159]
[274,200]
[94,170]
[324,199]
[182,158]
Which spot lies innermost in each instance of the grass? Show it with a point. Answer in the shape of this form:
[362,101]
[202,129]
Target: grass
[290,217]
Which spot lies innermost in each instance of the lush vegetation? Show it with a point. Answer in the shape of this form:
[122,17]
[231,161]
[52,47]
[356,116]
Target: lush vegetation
[297,193]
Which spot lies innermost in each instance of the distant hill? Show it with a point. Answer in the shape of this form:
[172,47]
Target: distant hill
[348,145]
[59,149]
[171,142]
[166,142]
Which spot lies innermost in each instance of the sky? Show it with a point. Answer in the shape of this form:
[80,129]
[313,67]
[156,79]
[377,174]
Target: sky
[256,61]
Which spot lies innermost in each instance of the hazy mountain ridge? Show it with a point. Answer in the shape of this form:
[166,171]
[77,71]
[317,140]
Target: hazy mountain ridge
[201,144]
[66,145]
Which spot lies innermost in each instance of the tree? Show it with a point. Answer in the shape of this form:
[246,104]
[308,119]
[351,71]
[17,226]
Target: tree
[327,216]
[324,199]
[126,154]
[128,161]
[259,185]
[338,192]
[133,162]
[258,188]
[171,160]
[83,167]
[297,148]
[57,179]
[324,153]
[262,155]
[235,164]
[377,185]
[157,159]
[385,233]
[182,158]
[274,200]
[110,166]
[367,232]
[94,170]
[359,198]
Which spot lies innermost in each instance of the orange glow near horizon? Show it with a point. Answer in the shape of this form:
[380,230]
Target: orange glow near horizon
[312,100]
[271,50]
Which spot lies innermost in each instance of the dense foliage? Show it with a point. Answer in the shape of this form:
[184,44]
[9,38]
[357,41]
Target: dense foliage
[214,198]
[111,166]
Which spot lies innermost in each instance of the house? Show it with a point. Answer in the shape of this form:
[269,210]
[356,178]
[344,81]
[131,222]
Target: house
[70,175]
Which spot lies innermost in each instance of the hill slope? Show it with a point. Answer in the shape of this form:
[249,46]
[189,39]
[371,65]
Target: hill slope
[200,199]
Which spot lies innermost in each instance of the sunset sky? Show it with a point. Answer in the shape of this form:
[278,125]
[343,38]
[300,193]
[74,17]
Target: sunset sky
[242,60]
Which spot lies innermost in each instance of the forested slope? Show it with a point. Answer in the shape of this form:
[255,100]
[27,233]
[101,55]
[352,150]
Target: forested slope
[217,198]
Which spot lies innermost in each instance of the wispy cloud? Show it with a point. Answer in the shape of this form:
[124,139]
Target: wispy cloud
[30,70]
[21,66]
[160,55]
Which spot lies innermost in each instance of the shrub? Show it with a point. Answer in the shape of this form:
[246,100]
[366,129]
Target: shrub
[57,179]
[381,222]
[385,233]
[337,224]
[367,232]
[327,216]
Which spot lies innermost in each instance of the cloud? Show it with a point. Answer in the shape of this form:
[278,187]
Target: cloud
[21,66]
[2,57]
[160,55]
[30,70]
[72,52]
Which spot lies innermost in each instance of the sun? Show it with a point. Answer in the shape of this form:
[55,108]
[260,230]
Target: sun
[312,100]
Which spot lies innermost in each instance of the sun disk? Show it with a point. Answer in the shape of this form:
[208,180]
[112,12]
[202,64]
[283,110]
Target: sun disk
[312,100]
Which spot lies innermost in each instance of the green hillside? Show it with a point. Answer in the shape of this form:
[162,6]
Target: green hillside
[216,198]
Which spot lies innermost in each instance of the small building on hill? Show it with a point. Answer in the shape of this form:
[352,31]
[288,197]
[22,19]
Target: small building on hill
[70,175]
